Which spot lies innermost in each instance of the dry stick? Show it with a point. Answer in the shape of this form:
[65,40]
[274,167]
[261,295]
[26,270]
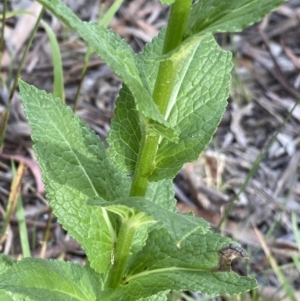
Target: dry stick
[280,77]
[2,32]
[4,120]
[256,165]
[12,199]
[248,50]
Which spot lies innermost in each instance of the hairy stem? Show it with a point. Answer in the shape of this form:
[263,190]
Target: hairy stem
[161,95]
[123,248]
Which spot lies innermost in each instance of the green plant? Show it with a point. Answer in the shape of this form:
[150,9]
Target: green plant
[173,97]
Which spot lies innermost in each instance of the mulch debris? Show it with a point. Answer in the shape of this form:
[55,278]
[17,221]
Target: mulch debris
[265,88]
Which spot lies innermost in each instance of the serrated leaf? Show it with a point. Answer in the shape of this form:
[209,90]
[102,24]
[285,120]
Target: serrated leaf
[211,16]
[125,134]
[50,280]
[197,103]
[74,168]
[139,239]
[162,296]
[211,283]
[154,128]
[179,226]
[6,263]
[118,55]
[199,251]
[162,194]
[160,265]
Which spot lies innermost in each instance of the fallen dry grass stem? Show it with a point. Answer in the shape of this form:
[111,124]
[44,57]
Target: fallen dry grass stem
[13,198]
[282,279]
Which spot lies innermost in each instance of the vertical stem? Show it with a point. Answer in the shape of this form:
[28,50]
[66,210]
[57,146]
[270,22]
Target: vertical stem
[144,165]
[161,95]
[123,248]
[177,22]
[167,71]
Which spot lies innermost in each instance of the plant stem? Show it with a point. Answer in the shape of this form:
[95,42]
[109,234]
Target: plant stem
[177,22]
[123,247]
[144,165]
[161,95]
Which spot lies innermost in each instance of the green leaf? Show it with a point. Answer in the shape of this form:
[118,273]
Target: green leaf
[179,226]
[162,296]
[198,251]
[118,55]
[197,103]
[140,238]
[125,134]
[6,263]
[51,280]
[6,296]
[74,168]
[154,128]
[195,109]
[162,193]
[160,265]
[212,283]
[211,16]
[168,2]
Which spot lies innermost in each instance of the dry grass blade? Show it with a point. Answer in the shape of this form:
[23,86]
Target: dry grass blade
[281,277]
[13,198]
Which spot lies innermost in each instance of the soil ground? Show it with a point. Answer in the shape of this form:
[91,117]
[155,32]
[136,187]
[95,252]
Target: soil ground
[265,87]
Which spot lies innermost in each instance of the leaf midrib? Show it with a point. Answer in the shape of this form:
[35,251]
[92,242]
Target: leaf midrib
[169,269]
[77,159]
